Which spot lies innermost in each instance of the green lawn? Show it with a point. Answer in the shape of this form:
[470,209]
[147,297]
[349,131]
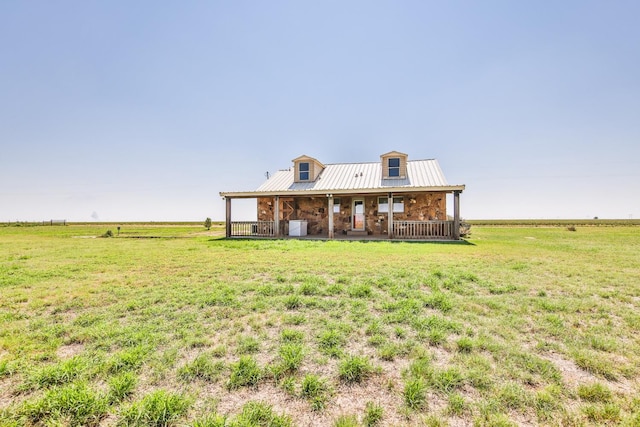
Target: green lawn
[173,325]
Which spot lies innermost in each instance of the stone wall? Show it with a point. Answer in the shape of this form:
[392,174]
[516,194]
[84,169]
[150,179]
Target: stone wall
[417,207]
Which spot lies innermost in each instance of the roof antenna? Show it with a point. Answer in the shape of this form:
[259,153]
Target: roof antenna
[267,174]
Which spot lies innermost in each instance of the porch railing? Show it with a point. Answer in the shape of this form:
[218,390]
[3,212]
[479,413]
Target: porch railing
[423,229]
[253,228]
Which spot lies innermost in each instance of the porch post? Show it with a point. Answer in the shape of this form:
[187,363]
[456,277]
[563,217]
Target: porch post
[390,216]
[276,216]
[330,207]
[228,216]
[456,215]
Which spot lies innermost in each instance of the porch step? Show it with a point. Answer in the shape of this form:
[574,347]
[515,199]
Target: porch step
[357,233]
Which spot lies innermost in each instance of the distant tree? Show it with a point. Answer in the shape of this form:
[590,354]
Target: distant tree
[207,223]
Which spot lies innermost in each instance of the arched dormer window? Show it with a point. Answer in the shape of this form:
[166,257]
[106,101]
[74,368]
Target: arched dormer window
[306,169]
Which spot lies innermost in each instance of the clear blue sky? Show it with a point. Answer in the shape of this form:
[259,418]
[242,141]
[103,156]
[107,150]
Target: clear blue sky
[145,110]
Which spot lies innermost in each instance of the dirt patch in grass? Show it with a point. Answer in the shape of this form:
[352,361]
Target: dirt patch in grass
[571,373]
[67,351]
[573,376]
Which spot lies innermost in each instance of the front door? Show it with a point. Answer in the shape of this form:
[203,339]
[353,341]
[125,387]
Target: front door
[357,218]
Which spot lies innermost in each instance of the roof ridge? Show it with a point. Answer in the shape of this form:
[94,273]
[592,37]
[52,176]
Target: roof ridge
[378,162]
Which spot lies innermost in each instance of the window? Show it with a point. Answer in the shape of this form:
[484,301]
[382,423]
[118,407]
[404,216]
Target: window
[303,168]
[394,166]
[383,204]
[398,204]
[336,205]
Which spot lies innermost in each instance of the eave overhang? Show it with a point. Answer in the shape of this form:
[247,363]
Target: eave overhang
[325,193]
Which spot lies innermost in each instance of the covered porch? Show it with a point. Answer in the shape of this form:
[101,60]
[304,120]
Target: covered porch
[342,216]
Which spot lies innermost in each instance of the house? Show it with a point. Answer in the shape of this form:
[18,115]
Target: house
[394,198]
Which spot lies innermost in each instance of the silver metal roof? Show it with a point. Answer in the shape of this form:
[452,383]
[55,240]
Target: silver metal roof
[356,177]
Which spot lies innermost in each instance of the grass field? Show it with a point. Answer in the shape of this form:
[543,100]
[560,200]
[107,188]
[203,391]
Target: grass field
[173,325]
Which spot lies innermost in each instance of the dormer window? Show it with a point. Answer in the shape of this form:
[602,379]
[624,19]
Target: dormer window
[394,167]
[304,171]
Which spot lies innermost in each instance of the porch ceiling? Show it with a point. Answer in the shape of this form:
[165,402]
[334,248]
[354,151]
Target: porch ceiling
[309,193]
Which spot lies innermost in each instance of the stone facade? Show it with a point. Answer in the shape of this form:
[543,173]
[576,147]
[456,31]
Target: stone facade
[417,207]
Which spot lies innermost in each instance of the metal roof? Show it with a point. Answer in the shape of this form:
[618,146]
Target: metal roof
[342,178]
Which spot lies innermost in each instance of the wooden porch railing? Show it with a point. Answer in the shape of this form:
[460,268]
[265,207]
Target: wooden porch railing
[252,228]
[423,229]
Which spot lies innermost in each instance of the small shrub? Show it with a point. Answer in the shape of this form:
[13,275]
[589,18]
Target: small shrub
[316,390]
[60,373]
[602,414]
[288,384]
[346,421]
[294,319]
[292,355]
[415,393]
[107,233]
[259,414]
[377,340]
[432,420]
[127,360]
[595,392]
[360,291]
[331,342]
[210,420]
[373,328]
[121,386]
[245,372]
[456,405]
[75,403]
[446,380]
[158,408]
[207,223]
[439,301]
[292,302]
[465,229]
[571,228]
[201,367]
[219,351]
[464,345]
[291,335]
[436,337]
[355,369]
[388,352]
[546,401]
[308,288]
[421,367]
[512,396]
[373,414]
[399,332]
[6,368]
[248,345]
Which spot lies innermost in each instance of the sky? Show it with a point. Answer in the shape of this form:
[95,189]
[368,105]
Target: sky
[146,110]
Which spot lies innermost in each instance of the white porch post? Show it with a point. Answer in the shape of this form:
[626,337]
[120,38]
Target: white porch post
[390,216]
[456,215]
[228,216]
[276,216]
[330,207]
